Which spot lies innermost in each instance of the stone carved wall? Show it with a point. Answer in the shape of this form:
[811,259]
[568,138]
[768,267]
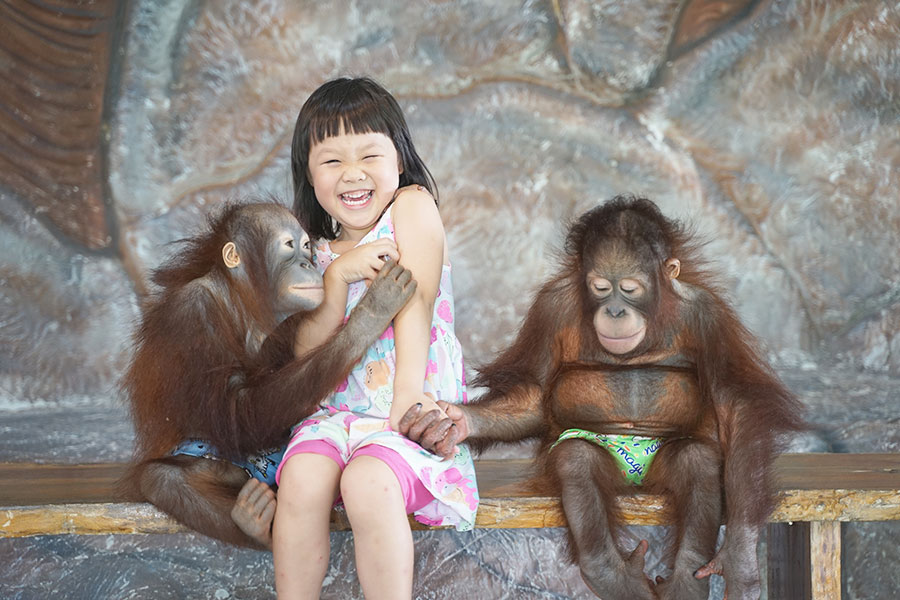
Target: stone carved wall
[771,125]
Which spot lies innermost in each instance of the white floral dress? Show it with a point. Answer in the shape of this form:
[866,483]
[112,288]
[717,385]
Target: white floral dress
[356,413]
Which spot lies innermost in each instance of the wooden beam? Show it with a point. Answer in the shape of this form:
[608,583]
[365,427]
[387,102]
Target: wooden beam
[23,484]
[837,505]
[787,547]
[825,559]
[85,519]
[51,499]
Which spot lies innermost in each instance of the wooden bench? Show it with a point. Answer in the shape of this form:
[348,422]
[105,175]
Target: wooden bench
[816,493]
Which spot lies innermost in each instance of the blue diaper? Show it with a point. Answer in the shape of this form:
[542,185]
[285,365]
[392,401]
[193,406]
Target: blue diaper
[260,465]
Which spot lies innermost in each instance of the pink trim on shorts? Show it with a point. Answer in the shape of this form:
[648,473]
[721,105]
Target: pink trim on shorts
[415,494]
[320,447]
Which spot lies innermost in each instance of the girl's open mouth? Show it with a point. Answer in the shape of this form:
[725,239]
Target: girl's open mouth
[356,198]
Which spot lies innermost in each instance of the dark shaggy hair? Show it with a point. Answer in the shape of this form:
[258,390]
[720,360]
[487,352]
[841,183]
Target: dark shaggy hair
[358,105]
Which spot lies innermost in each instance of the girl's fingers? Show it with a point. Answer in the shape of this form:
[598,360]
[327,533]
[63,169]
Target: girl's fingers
[393,253]
[377,262]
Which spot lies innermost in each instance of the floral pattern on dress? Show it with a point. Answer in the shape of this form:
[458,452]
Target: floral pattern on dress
[368,392]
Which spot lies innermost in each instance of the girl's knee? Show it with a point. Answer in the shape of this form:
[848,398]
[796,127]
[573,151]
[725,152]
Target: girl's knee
[369,482]
[308,481]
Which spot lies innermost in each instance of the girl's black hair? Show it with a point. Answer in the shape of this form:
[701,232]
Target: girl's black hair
[358,105]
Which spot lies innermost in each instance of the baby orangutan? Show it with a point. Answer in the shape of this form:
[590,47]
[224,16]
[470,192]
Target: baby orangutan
[633,371]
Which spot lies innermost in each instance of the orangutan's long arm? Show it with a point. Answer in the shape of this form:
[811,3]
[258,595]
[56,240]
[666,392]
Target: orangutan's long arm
[752,409]
[272,403]
[509,417]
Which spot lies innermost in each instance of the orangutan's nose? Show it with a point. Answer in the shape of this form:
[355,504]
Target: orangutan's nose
[615,311]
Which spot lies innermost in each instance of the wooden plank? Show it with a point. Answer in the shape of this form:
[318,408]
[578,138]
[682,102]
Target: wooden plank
[837,505]
[122,517]
[510,499]
[494,512]
[825,559]
[23,484]
[85,519]
[814,471]
[788,561]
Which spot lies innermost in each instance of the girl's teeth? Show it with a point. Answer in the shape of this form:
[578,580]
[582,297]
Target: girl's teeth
[354,199]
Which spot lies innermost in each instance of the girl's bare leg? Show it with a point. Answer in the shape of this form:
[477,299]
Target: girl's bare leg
[384,546]
[300,542]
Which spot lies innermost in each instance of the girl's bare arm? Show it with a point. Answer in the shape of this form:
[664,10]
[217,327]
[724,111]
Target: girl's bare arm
[420,240]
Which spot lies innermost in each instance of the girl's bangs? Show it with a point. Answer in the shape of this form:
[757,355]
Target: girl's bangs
[333,121]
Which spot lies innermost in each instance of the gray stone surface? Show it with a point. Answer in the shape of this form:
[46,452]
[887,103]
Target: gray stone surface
[510,566]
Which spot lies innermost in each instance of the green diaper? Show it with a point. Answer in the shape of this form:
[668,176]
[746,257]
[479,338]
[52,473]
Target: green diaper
[633,453]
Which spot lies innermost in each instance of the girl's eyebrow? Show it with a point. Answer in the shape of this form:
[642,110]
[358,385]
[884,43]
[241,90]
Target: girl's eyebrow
[370,146]
[323,147]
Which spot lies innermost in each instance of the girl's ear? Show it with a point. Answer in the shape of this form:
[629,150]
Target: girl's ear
[230,255]
[399,164]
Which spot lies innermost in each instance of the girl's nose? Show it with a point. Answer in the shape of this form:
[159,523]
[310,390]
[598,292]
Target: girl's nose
[353,174]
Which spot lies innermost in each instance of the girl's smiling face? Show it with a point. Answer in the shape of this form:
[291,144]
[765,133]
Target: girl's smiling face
[355,176]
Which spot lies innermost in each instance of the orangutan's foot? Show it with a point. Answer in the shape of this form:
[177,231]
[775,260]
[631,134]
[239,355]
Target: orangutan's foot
[254,511]
[628,582]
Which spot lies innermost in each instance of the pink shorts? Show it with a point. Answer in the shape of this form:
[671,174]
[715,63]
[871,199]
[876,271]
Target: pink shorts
[415,494]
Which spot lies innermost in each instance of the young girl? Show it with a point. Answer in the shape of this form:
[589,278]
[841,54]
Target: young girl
[351,154]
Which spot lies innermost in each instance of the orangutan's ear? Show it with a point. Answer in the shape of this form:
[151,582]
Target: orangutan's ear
[230,255]
[673,268]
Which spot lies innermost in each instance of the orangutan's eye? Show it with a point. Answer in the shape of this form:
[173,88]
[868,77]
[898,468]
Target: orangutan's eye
[600,286]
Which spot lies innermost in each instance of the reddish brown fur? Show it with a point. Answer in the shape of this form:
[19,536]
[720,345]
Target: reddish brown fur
[696,379]
[201,370]
[192,367]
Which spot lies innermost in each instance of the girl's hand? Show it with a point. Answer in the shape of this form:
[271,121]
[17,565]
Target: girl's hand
[403,401]
[364,261]
[441,439]
[433,431]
